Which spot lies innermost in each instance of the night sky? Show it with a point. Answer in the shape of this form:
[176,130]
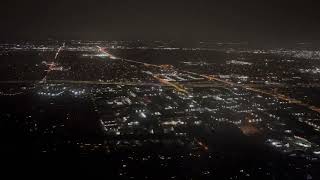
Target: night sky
[212,20]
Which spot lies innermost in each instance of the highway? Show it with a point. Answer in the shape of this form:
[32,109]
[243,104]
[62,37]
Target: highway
[84,82]
[163,81]
[52,64]
[177,87]
[214,78]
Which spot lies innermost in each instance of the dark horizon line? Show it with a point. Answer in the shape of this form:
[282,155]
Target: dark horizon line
[200,41]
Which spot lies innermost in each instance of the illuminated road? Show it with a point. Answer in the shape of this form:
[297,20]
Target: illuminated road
[52,64]
[84,82]
[104,51]
[275,95]
[163,81]
[60,48]
[10,94]
[177,87]
[213,78]
[102,83]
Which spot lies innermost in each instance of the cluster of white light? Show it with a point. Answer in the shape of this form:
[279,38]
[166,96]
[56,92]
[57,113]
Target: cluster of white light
[12,94]
[316,126]
[156,113]
[238,62]
[77,92]
[276,143]
[255,120]
[134,123]
[316,152]
[143,115]
[313,71]
[50,94]
[173,123]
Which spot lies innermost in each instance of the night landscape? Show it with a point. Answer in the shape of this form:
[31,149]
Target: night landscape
[161,90]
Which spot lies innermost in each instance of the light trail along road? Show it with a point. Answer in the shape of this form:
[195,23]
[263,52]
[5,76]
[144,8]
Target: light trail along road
[52,64]
[163,81]
[213,78]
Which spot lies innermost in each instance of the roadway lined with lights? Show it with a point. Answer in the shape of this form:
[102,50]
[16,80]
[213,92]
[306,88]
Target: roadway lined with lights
[177,87]
[84,82]
[278,96]
[52,64]
[213,78]
[163,81]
